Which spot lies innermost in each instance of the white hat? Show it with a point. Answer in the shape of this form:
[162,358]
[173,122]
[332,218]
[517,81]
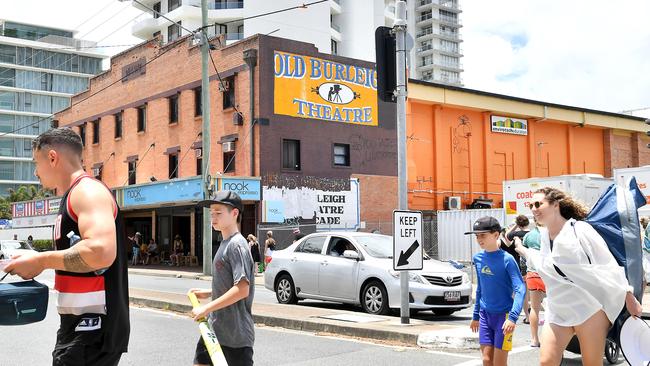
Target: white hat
[635,338]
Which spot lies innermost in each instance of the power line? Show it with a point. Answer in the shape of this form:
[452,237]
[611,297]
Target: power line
[165,17]
[185,155]
[104,22]
[91,95]
[110,2]
[138,163]
[303,6]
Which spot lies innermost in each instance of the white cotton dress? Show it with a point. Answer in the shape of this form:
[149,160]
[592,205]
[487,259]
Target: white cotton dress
[587,287]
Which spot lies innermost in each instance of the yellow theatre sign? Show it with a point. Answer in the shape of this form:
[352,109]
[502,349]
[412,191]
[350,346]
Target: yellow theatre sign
[309,87]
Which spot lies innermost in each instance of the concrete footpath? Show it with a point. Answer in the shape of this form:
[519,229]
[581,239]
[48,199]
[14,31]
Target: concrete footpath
[321,320]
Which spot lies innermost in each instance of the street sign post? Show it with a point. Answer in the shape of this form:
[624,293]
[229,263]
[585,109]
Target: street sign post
[407,240]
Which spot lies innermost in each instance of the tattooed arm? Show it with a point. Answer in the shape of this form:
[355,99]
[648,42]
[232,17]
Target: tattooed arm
[94,207]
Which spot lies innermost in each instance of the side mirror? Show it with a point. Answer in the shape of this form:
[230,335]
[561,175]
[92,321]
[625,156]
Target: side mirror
[351,254]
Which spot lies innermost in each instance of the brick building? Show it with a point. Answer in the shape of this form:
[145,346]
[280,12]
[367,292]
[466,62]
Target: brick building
[324,145]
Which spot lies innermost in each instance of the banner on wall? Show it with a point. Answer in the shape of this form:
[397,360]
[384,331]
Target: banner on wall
[331,210]
[310,87]
[513,126]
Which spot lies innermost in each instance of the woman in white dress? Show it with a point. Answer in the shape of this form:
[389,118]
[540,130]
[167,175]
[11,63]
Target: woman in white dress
[586,288]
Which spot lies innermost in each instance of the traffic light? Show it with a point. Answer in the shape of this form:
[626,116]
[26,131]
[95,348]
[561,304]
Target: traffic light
[386,64]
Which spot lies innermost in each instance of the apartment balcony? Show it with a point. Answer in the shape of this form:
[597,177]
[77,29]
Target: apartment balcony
[146,27]
[225,5]
[425,50]
[389,12]
[424,34]
[335,32]
[451,51]
[450,5]
[452,21]
[449,36]
[424,5]
[456,67]
[335,7]
[448,80]
[424,18]
[424,66]
[234,36]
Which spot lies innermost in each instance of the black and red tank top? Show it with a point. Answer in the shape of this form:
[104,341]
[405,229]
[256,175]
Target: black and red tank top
[94,308]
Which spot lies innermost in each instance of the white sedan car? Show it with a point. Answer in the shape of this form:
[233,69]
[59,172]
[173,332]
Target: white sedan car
[10,247]
[356,268]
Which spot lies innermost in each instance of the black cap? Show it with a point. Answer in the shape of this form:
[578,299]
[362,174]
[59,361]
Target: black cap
[485,224]
[228,198]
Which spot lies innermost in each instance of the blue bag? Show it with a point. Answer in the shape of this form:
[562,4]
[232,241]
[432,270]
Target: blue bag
[23,302]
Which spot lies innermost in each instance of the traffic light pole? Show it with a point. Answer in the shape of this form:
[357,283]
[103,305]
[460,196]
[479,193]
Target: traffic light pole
[400,94]
[205,147]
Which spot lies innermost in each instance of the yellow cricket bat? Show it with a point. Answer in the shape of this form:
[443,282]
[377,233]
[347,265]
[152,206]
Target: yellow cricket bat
[209,338]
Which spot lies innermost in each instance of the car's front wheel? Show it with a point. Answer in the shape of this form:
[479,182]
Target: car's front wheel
[374,298]
[285,291]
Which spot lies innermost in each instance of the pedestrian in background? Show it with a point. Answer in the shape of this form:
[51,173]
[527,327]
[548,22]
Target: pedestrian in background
[152,250]
[534,283]
[645,245]
[586,288]
[177,251]
[496,310]
[30,241]
[269,247]
[255,250]
[518,229]
[135,242]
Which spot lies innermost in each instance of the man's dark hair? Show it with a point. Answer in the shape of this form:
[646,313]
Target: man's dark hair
[59,137]
[239,212]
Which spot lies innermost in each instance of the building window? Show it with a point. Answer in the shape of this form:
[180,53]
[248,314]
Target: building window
[155,34]
[291,154]
[96,132]
[341,154]
[118,125]
[173,4]
[198,102]
[142,118]
[82,133]
[97,172]
[173,108]
[229,162]
[229,92]
[335,48]
[132,166]
[199,166]
[156,10]
[173,32]
[173,166]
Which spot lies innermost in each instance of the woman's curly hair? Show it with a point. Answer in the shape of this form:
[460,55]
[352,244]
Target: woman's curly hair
[569,207]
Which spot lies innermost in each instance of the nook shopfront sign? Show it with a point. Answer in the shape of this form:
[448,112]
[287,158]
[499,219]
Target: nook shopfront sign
[309,87]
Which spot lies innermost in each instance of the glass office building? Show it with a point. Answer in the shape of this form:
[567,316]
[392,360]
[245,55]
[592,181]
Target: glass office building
[41,68]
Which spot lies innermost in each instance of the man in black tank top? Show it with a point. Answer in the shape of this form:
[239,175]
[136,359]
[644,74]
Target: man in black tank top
[90,259]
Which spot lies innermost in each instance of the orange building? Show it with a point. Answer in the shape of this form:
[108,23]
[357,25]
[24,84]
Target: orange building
[464,142]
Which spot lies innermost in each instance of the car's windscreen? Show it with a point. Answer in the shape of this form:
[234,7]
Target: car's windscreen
[15,245]
[379,246]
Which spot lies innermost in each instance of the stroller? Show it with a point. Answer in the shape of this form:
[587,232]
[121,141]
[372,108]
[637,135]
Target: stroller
[621,232]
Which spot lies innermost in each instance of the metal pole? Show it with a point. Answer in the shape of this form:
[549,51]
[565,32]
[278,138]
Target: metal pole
[205,161]
[400,46]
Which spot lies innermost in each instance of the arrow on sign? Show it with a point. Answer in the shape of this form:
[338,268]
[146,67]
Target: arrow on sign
[404,256]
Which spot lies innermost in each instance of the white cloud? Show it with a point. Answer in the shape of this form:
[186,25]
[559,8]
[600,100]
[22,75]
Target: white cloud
[587,53]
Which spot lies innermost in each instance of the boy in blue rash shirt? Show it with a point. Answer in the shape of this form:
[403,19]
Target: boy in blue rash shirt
[496,311]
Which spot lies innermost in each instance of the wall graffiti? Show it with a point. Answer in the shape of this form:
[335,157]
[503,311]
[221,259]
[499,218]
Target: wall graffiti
[374,149]
[298,181]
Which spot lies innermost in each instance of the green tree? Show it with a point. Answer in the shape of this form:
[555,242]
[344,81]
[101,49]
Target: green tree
[23,193]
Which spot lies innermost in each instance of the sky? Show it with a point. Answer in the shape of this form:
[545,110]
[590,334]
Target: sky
[585,53]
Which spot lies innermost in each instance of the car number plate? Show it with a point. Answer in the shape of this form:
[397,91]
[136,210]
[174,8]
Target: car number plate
[452,295]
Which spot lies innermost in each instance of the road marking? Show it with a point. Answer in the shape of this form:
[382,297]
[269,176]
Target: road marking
[453,354]
[513,352]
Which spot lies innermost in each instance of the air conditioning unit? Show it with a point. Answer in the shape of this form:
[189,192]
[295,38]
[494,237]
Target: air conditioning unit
[453,203]
[228,146]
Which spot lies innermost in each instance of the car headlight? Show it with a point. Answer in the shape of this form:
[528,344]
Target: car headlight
[466,278]
[412,276]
